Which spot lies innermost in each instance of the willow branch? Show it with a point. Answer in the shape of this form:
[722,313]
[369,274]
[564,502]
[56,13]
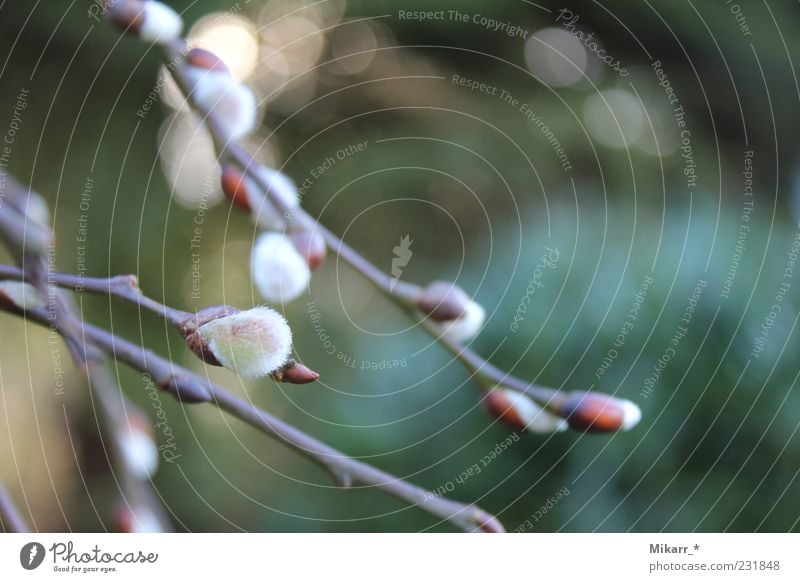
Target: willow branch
[12,519]
[403,294]
[189,387]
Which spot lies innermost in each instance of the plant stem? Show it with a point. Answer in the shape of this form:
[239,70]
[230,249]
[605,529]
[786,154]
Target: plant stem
[186,386]
[9,514]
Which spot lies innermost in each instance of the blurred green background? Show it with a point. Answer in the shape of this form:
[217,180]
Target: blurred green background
[480,189]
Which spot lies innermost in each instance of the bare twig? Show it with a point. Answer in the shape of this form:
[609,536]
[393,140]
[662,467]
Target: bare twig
[10,516]
[402,294]
[188,387]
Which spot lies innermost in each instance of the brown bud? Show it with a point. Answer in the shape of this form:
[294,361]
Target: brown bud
[311,246]
[295,373]
[204,59]
[443,301]
[499,405]
[234,185]
[194,341]
[127,15]
[593,412]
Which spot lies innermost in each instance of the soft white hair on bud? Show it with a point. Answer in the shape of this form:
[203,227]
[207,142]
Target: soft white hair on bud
[265,213]
[21,295]
[142,520]
[139,450]
[467,325]
[631,414]
[534,417]
[252,343]
[161,23]
[37,209]
[231,102]
[279,272]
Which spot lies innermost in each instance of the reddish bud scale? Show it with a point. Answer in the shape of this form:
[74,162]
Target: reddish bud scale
[127,15]
[592,412]
[235,188]
[499,406]
[311,246]
[442,301]
[207,60]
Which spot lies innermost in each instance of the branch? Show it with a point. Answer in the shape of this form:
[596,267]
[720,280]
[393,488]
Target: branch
[9,514]
[403,294]
[188,387]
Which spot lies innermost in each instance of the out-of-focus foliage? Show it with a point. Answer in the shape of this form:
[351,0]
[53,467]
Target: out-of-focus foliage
[482,193]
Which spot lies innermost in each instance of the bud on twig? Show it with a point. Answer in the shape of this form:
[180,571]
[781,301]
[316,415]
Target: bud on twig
[252,343]
[217,93]
[521,413]
[311,246]
[594,412]
[150,20]
[20,295]
[279,272]
[248,195]
[139,450]
[295,373]
[457,317]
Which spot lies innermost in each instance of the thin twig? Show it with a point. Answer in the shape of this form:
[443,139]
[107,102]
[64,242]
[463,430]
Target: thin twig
[189,387]
[12,519]
[401,293]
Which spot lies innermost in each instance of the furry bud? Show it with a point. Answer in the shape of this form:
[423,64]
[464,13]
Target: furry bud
[279,272]
[311,246]
[594,412]
[151,21]
[217,93]
[137,520]
[20,295]
[138,449]
[252,343]
[521,413]
[248,195]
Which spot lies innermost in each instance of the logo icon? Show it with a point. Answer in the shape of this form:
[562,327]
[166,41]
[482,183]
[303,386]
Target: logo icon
[402,255]
[31,555]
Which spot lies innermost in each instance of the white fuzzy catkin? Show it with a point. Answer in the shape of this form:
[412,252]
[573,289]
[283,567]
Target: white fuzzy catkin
[533,416]
[252,343]
[264,212]
[161,23]
[279,272]
[466,326]
[631,414]
[22,295]
[231,102]
[139,451]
